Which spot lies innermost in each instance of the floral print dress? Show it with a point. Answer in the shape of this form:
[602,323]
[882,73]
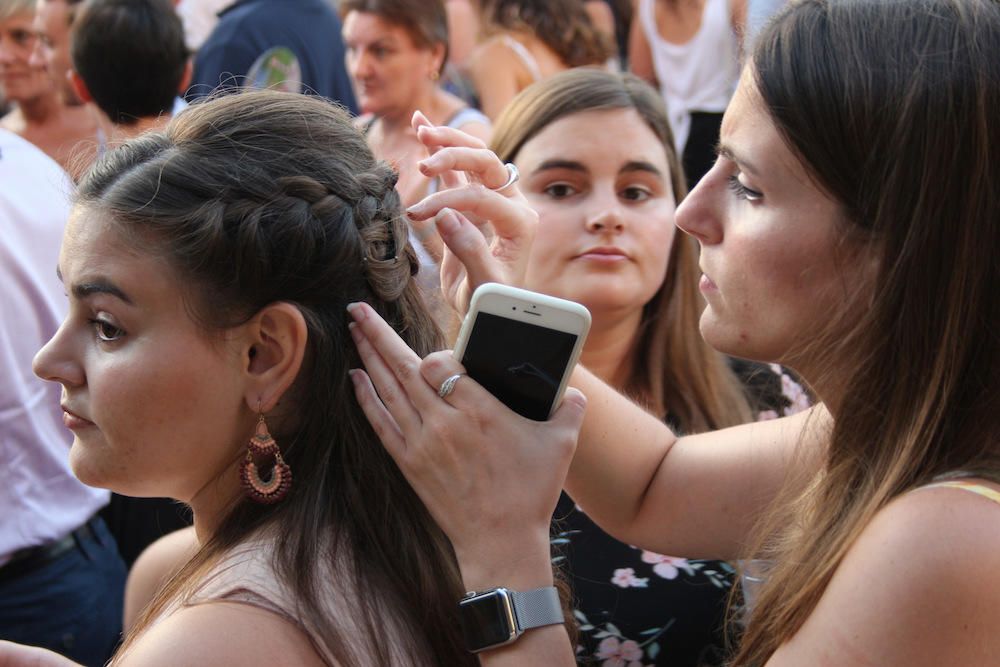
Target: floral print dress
[636,608]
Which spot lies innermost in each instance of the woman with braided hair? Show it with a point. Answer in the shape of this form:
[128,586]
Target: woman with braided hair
[206,358]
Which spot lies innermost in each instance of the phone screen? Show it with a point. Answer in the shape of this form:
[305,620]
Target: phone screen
[522,364]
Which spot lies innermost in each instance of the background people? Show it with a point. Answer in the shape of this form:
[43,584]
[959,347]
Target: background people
[294,44]
[691,50]
[526,41]
[45,113]
[130,59]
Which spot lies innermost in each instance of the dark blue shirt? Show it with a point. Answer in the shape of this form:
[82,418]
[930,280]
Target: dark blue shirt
[310,29]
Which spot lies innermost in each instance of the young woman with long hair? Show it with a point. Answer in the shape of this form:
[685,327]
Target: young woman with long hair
[606,239]
[205,358]
[849,230]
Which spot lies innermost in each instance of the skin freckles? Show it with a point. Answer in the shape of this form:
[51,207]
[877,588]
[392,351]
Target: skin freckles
[159,406]
[771,247]
[610,193]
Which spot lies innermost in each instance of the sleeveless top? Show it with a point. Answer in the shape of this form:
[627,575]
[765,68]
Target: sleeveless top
[524,55]
[966,485]
[247,576]
[698,75]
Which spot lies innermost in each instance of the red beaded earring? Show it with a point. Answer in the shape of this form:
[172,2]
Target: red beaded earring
[263,447]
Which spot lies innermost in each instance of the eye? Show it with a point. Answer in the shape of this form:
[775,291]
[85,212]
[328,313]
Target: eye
[635,194]
[106,331]
[743,192]
[560,190]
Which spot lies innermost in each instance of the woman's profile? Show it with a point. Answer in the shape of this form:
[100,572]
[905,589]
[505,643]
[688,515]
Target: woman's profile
[205,358]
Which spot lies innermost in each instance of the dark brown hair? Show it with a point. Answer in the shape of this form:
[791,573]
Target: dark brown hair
[132,56]
[263,197]
[902,128]
[563,25]
[673,368]
[426,21]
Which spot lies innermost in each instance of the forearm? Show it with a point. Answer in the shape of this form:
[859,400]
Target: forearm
[698,496]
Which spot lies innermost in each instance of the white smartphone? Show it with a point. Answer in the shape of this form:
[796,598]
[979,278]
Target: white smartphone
[522,346]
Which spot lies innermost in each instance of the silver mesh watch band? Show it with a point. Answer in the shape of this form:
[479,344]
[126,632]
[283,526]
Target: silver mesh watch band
[536,608]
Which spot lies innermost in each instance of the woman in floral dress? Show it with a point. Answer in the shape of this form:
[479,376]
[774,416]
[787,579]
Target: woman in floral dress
[606,239]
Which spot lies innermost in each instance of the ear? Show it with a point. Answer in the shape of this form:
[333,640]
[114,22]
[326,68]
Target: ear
[275,347]
[437,57]
[79,87]
[186,77]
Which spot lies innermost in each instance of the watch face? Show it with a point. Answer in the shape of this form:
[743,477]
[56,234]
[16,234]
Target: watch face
[487,620]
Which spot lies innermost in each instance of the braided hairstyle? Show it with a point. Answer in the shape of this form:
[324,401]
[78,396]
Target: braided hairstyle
[263,197]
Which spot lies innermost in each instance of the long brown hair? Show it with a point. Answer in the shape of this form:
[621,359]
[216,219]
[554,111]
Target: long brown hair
[263,197]
[673,368]
[904,131]
[562,25]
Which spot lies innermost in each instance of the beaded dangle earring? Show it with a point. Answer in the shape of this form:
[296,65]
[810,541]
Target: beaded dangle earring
[262,447]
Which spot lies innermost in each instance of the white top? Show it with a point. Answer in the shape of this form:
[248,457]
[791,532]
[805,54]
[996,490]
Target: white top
[40,500]
[699,75]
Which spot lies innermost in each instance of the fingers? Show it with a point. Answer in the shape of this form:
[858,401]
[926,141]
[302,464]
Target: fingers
[440,136]
[481,163]
[392,393]
[378,416]
[512,218]
[467,246]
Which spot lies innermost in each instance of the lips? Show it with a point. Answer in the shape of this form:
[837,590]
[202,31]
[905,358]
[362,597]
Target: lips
[73,420]
[606,253]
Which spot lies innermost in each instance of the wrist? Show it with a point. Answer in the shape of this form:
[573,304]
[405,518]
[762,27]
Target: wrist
[518,564]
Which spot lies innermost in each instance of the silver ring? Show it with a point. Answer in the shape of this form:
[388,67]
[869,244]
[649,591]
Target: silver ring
[512,177]
[448,385]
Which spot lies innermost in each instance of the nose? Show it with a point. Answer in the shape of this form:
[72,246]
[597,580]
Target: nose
[700,214]
[358,63]
[36,58]
[56,362]
[606,216]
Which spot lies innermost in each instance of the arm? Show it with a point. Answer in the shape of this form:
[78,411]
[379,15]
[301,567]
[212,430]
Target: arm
[698,495]
[640,58]
[918,588]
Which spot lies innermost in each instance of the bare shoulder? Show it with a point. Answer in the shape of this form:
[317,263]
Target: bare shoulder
[222,633]
[921,586]
[156,564]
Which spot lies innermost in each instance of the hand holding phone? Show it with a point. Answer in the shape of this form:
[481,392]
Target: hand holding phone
[521,346]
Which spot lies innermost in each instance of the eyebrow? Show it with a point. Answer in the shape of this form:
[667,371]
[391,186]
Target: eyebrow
[572,165]
[97,286]
[744,164]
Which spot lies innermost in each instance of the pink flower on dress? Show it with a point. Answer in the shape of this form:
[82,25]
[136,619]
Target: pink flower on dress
[625,578]
[796,394]
[617,653]
[665,566]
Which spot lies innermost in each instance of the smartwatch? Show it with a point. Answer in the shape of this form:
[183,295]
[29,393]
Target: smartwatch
[499,616]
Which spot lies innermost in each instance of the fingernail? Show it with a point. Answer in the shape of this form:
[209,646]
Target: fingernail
[417,211]
[447,221]
[355,376]
[356,311]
